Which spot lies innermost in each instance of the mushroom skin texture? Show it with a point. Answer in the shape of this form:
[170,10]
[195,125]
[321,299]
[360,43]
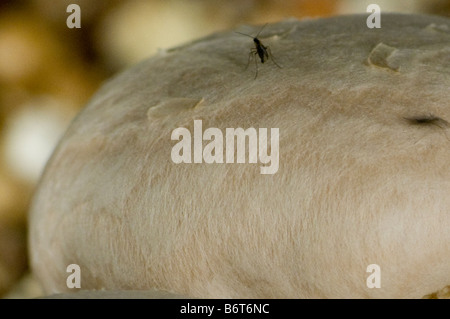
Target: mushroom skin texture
[364,175]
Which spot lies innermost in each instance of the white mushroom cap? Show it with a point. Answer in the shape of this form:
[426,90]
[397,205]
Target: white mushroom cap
[364,175]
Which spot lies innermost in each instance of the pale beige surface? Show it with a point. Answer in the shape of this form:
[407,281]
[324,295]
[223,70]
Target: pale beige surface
[362,179]
[27,287]
[116,294]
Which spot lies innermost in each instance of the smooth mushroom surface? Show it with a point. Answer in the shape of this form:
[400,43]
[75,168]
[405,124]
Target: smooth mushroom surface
[363,174]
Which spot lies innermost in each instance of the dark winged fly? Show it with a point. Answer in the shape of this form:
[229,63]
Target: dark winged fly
[261,50]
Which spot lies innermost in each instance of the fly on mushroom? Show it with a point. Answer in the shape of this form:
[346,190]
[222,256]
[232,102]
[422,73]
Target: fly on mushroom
[261,50]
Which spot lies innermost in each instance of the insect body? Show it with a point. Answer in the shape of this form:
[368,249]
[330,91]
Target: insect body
[261,50]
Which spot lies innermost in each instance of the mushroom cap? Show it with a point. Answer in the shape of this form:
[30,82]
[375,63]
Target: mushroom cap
[363,172]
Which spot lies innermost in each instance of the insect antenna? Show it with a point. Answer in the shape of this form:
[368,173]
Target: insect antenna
[244,34]
[261,30]
[248,35]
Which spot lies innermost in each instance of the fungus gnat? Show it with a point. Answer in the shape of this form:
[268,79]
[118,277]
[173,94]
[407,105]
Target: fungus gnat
[261,50]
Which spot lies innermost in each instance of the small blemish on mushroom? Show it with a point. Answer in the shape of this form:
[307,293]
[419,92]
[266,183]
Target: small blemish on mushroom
[380,55]
[427,120]
[283,34]
[173,106]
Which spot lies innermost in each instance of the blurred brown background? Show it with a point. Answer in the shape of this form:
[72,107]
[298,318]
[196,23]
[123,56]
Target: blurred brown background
[48,72]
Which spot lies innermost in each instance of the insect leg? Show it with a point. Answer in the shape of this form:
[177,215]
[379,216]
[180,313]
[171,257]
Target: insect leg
[256,62]
[252,52]
[271,56]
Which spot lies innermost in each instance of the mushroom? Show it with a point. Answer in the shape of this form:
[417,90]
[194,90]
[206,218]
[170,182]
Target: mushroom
[363,179]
